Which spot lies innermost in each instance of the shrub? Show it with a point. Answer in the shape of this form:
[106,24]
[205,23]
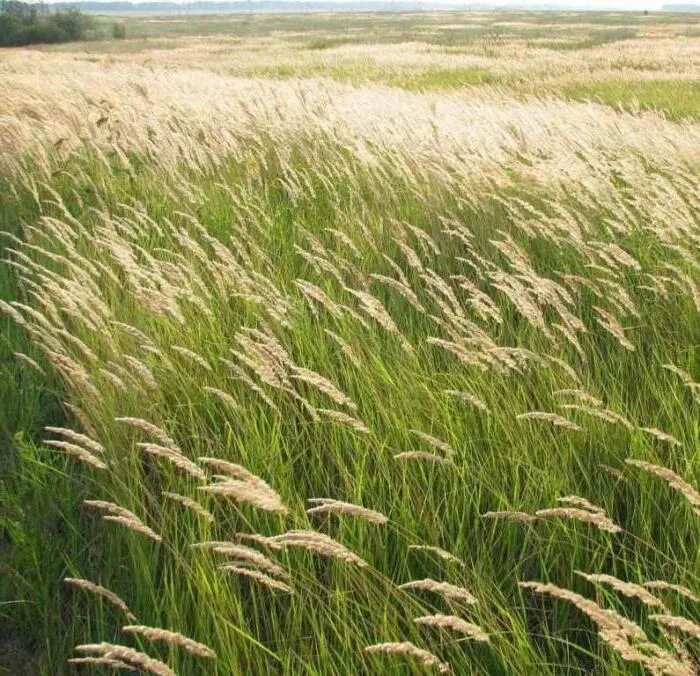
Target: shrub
[119,31]
[22,24]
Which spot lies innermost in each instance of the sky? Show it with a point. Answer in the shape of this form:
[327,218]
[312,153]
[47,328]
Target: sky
[633,5]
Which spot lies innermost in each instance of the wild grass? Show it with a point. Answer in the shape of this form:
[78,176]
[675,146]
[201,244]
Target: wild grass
[377,380]
[676,98]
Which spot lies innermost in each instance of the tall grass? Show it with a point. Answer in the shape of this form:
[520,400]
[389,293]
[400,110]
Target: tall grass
[391,365]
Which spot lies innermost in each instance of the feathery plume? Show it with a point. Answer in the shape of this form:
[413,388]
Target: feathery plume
[680,623]
[149,428]
[101,662]
[679,589]
[407,648]
[122,653]
[173,456]
[190,504]
[553,418]
[256,575]
[438,551]
[120,515]
[449,591]
[597,519]
[250,488]
[81,439]
[172,637]
[454,623]
[77,452]
[510,514]
[99,590]
[421,455]
[671,478]
[435,442]
[661,435]
[318,543]
[626,588]
[343,419]
[327,505]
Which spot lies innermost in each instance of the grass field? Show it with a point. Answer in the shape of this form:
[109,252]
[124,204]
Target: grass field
[352,344]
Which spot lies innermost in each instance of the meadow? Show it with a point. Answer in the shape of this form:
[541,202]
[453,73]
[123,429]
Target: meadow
[352,344]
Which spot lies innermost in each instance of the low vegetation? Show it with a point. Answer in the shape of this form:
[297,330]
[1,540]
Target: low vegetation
[310,376]
[24,23]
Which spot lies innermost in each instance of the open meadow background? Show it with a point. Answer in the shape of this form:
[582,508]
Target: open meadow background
[352,344]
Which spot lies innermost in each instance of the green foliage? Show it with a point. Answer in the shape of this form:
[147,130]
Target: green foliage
[677,98]
[119,31]
[22,24]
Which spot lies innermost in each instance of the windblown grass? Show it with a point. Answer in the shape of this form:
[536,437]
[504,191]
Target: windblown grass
[327,379]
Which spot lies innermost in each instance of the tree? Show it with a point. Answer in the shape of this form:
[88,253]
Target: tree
[22,23]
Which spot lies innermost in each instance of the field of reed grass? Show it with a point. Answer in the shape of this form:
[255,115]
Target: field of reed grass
[305,372]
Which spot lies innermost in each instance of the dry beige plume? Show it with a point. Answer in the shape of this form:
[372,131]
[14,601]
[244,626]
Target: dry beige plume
[343,419]
[232,469]
[344,348]
[256,493]
[679,589]
[597,519]
[193,356]
[173,456]
[105,593]
[80,439]
[652,656]
[374,308]
[469,398]
[583,503]
[225,397]
[109,507]
[661,435]
[190,504]
[132,331]
[122,653]
[101,662]
[449,591]
[318,543]
[120,515]
[151,429]
[30,362]
[252,537]
[510,514]
[671,478]
[553,418]
[244,555]
[435,442]
[683,375]
[454,623]
[443,554]
[327,505]
[142,371]
[605,619]
[323,385]
[256,575]
[680,623]
[407,648]
[628,589]
[613,327]
[600,413]
[613,472]
[581,395]
[77,452]
[421,455]
[401,287]
[171,637]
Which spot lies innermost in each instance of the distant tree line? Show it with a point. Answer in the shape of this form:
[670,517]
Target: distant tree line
[22,23]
